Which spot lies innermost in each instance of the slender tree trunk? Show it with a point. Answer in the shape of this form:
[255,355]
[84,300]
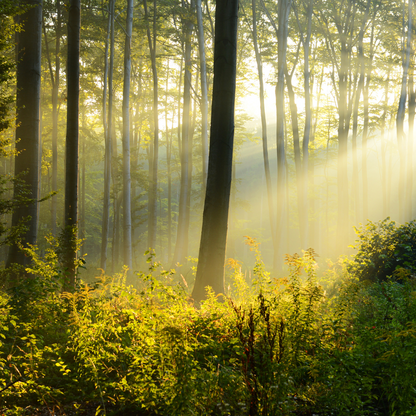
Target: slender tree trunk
[315,229]
[401,109]
[116,233]
[308,126]
[72,134]
[168,168]
[136,147]
[366,93]
[127,251]
[212,249]
[204,94]
[55,113]
[384,136]
[152,205]
[355,175]
[82,231]
[27,126]
[181,247]
[284,9]
[108,72]
[263,125]
[298,160]
[344,117]
[281,34]
[409,183]
[304,166]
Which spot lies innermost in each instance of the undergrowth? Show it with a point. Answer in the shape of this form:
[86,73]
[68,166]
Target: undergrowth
[274,347]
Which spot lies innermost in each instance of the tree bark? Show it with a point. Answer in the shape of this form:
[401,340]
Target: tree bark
[212,249]
[384,135]
[27,127]
[263,124]
[181,247]
[127,251]
[298,159]
[72,134]
[152,205]
[409,183]
[204,94]
[108,74]
[284,9]
[402,108]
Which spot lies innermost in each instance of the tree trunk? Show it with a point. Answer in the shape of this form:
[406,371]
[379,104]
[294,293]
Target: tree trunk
[152,205]
[72,133]
[366,93]
[308,127]
[298,160]
[82,211]
[55,113]
[263,125]
[204,94]
[127,251]
[107,134]
[181,247]
[212,249]
[168,168]
[401,110]
[409,183]
[384,135]
[304,166]
[27,127]
[284,9]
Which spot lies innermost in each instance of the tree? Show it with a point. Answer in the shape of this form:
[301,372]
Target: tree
[204,92]
[263,122]
[154,154]
[181,247]
[28,125]
[402,104]
[72,134]
[55,91]
[108,124]
[339,46]
[211,262]
[126,140]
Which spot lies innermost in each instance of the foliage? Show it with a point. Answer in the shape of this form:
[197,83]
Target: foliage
[382,249]
[278,347]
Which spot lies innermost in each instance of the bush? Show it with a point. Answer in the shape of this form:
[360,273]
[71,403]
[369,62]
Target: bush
[280,347]
[382,248]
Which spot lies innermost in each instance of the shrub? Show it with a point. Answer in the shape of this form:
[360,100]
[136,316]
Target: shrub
[382,248]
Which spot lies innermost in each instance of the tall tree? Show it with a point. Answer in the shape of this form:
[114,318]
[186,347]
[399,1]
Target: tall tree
[181,247]
[306,40]
[108,128]
[55,109]
[263,121]
[204,92]
[154,154]
[211,262]
[282,34]
[283,19]
[127,251]
[410,174]
[406,47]
[338,27]
[28,124]
[72,135]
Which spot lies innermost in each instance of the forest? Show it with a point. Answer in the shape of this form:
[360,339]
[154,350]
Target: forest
[206,207]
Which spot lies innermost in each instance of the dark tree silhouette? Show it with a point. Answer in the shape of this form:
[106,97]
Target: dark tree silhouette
[28,126]
[215,218]
[72,134]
